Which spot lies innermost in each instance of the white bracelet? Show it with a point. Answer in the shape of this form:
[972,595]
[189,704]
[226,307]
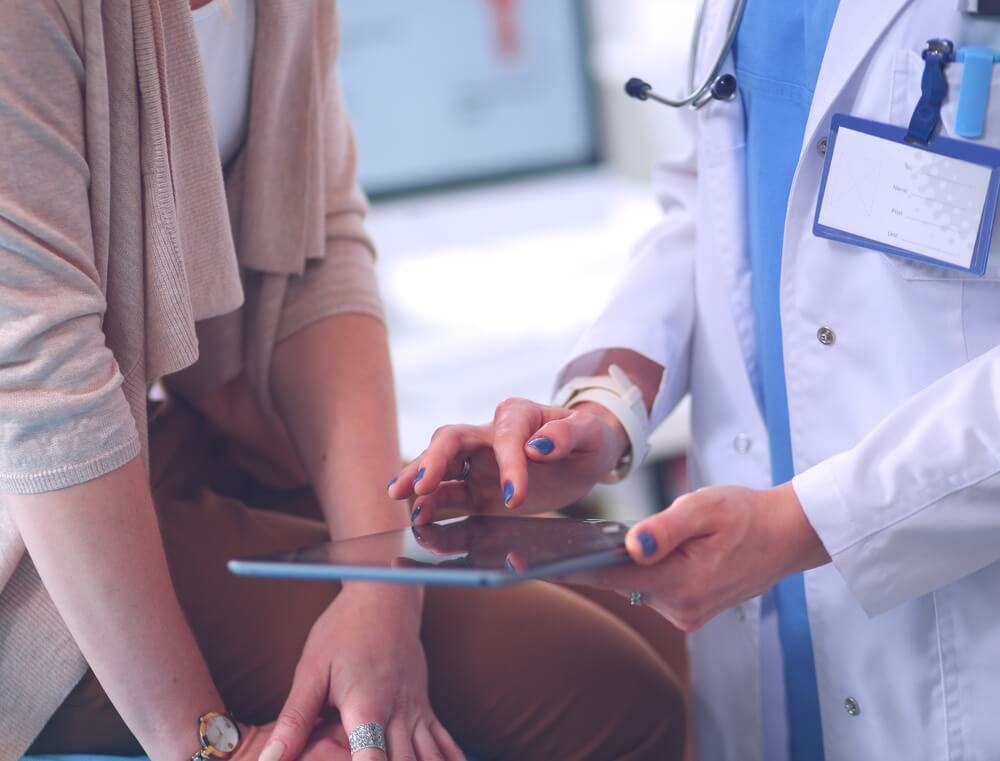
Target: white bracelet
[623,399]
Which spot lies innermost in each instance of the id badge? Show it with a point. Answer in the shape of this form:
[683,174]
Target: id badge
[934,203]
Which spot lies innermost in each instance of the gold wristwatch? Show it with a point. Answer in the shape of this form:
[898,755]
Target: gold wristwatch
[219,735]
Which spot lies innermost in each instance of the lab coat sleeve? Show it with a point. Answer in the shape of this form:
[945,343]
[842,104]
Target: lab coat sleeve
[651,309]
[916,504]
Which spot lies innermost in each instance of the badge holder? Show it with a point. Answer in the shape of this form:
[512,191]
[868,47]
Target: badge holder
[906,192]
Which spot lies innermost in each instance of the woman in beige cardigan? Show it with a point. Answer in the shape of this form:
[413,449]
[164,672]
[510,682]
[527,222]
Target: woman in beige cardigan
[128,256]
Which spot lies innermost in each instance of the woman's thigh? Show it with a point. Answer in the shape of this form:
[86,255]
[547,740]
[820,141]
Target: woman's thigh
[530,672]
[538,672]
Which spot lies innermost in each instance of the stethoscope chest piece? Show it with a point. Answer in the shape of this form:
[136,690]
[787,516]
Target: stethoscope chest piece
[715,86]
[723,88]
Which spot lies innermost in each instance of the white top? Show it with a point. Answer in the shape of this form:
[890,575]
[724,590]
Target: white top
[225,32]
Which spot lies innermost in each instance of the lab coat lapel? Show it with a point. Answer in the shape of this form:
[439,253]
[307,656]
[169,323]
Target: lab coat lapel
[722,130]
[857,27]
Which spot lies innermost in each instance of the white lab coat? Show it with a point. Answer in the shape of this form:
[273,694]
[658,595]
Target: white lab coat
[895,426]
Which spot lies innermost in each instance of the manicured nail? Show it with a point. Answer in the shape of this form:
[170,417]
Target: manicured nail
[543,444]
[508,492]
[273,751]
[510,567]
[420,474]
[394,479]
[416,533]
[415,514]
[648,543]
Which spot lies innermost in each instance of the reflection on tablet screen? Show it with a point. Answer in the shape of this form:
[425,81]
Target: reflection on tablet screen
[483,547]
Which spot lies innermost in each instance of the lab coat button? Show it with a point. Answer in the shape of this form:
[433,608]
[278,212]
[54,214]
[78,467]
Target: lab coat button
[852,706]
[741,443]
[826,336]
[821,146]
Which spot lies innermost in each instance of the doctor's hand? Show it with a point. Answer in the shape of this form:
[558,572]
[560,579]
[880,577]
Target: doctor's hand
[712,549]
[530,458]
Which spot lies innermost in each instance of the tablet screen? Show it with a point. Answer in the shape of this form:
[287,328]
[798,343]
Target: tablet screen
[474,550]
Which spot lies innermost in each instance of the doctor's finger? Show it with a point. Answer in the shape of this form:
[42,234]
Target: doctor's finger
[424,474]
[442,460]
[451,498]
[558,439]
[513,425]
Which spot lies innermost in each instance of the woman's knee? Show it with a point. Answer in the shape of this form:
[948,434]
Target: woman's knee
[654,728]
[638,710]
[568,681]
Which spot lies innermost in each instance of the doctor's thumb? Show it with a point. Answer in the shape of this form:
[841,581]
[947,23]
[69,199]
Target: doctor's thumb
[653,539]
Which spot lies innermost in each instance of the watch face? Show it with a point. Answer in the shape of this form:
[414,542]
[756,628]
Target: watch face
[222,734]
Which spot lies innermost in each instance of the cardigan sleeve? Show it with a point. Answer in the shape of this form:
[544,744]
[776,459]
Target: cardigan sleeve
[338,276]
[343,280]
[64,418]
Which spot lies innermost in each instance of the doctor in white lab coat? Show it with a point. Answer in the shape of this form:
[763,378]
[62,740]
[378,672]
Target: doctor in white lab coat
[893,384]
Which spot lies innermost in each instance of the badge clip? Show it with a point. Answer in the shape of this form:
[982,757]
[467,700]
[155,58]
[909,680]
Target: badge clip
[974,94]
[933,89]
[980,7]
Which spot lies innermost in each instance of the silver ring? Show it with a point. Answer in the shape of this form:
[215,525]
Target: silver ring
[370,735]
[636,598]
[466,469]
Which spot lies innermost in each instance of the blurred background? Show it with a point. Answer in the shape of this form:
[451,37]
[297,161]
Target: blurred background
[509,179]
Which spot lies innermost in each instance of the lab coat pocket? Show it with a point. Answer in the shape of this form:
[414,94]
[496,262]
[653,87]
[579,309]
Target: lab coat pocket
[905,92]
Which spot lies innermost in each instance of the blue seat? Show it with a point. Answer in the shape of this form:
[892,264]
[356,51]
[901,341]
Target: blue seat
[102,758]
[84,758]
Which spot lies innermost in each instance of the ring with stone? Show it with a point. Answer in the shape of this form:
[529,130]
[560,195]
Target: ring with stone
[636,598]
[466,469]
[370,735]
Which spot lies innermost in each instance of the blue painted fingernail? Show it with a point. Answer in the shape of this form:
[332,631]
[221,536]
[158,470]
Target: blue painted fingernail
[648,543]
[510,567]
[389,485]
[508,492]
[420,474]
[543,444]
[416,513]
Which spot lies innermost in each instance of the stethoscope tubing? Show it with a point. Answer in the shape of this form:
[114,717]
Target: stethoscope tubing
[702,94]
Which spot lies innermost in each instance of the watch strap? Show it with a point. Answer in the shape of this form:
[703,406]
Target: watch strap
[623,399]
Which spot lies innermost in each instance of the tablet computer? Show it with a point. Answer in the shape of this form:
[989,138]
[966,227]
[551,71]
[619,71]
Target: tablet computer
[469,551]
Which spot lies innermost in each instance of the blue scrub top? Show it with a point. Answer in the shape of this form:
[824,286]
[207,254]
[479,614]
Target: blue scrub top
[778,52]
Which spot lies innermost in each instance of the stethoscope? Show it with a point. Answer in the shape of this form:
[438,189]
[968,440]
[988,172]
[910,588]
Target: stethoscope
[715,86]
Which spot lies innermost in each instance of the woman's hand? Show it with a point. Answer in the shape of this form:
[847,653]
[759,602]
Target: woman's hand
[327,742]
[560,453]
[364,657]
[714,548]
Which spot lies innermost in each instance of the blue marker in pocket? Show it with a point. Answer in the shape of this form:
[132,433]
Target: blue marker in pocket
[974,93]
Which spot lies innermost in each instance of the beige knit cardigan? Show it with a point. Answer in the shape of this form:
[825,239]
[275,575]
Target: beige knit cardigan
[124,248]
